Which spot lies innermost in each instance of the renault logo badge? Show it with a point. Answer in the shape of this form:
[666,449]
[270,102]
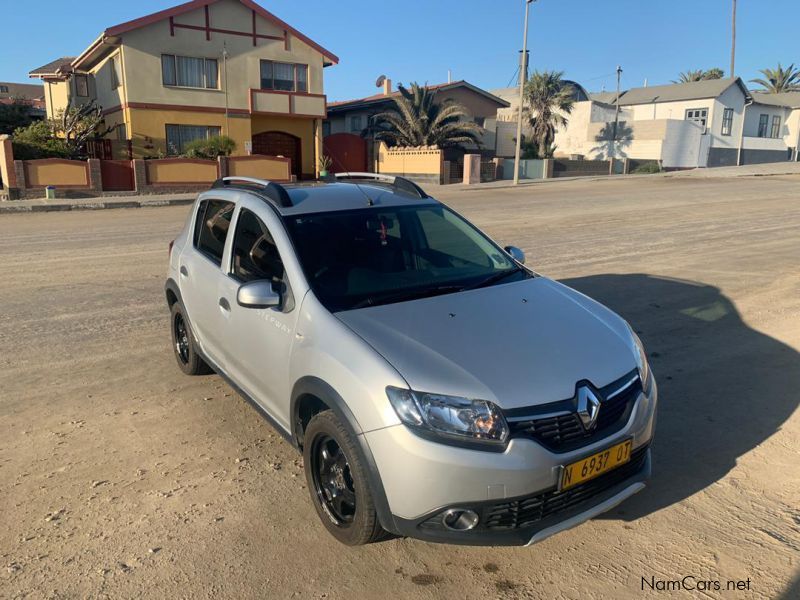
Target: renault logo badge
[588,407]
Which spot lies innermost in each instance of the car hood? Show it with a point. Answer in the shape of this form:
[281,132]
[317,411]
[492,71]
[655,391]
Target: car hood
[519,344]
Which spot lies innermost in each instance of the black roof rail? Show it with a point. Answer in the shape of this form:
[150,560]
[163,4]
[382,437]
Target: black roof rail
[398,183]
[269,189]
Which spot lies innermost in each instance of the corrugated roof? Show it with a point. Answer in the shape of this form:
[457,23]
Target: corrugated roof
[52,68]
[787,99]
[605,97]
[695,90]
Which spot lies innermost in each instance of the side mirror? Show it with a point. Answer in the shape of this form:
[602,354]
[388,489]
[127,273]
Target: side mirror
[515,253]
[258,294]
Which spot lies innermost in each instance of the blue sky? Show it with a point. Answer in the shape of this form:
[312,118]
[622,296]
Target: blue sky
[419,40]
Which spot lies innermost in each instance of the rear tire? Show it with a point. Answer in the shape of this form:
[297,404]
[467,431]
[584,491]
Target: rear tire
[336,473]
[183,344]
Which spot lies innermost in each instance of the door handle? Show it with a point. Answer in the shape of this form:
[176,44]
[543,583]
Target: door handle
[224,304]
[184,271]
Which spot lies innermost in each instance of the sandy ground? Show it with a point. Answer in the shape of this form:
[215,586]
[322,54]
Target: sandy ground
[120,477]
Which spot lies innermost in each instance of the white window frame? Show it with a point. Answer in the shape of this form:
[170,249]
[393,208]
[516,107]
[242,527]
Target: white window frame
[727,121]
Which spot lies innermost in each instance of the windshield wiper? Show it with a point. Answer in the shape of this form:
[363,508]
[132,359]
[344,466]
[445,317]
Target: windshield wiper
[493,278]
[406,295]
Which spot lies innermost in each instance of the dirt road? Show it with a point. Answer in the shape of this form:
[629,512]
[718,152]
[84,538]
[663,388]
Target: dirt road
[120,477]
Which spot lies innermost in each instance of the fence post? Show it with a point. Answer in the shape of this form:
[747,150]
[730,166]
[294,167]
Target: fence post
[95,175]
[139,176]
[499,167]
[445,176]
[626,166]
[19,173]
[547,169]
[472,168]
[223,166]
[7,173]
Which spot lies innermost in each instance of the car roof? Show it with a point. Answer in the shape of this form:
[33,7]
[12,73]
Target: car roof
[319,197]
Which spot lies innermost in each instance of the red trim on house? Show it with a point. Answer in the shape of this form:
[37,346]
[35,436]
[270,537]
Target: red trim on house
[196,4]
[172,26]
[208,24]
[255,34]
[285,40]
[184,108]
[291,112]
[227,31]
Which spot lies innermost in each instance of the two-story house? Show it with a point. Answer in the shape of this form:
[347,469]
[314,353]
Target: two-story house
[201,69]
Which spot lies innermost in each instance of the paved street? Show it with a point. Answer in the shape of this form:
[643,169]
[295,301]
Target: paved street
[121,477]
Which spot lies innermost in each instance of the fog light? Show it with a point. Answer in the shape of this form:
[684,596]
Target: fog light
[460,519]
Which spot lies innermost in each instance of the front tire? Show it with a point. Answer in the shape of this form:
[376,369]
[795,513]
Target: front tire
[183,344]
[337,480]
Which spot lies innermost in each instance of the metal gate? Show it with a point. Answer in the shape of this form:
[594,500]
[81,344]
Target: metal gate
[117,175]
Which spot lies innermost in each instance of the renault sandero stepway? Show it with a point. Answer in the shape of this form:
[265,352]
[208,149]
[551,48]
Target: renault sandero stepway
[436,386]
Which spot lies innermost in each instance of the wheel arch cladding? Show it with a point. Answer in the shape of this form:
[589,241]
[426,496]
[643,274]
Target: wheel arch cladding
[311,393]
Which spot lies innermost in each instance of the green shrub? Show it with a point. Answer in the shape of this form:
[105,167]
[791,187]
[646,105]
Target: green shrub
[647,168]
[210,148]
[37,141]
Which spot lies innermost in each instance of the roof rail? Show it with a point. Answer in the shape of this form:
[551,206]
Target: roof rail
[271,190]
[398,183]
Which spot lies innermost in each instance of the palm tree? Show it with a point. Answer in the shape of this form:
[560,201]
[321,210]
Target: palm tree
[548,98]
[418,119]
[779,80]
[700,75]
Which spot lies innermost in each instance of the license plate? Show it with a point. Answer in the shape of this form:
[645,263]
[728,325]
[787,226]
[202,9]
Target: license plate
[596,464]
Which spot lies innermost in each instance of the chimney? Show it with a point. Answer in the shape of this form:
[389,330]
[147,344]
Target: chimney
[387,87]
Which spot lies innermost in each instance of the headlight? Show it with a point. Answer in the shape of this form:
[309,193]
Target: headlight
[450,416]
[641,359]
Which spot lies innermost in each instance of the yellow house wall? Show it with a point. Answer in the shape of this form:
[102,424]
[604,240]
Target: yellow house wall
[143,48]
[147,128]
[40,173]
[56,95]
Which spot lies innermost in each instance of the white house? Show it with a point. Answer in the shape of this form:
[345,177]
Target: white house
[699,124]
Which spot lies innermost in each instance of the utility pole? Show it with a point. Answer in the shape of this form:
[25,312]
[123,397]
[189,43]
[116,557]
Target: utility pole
[733,41]
[523,63]
[616,114]
[225,74]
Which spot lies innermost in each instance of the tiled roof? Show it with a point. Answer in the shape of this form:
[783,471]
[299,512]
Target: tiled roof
[28,91]
[437,87]
[52,68]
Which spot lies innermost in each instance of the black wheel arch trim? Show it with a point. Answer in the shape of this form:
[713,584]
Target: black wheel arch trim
[172,286]
[314,386]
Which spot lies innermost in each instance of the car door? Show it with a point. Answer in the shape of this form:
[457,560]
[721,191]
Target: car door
[201,274]
[259,340]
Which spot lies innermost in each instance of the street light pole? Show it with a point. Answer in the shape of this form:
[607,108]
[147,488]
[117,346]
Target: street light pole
[522,79]
[733,41]
[616,113]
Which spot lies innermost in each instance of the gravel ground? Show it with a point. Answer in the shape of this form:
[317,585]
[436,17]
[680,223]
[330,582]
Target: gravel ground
[120,477]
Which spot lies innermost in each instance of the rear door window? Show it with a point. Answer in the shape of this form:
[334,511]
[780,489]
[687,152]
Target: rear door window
[211,228]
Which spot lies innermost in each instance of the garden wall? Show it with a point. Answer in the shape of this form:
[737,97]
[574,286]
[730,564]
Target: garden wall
[58,172]
[423,165]
[273,168]
[181,171]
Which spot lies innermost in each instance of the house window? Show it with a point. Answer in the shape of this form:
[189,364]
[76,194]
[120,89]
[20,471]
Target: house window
[763,125]
[180,135]
[326,128]
[284,77]
[727,121]
[355,124]
[776,126]
[82,86]
[122,132]
[186,71]
[3,89]
[116,78]
[698,115]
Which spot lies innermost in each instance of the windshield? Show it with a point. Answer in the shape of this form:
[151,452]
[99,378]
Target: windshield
[375,256]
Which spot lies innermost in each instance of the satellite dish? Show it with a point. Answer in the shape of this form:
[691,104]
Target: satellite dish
[380,80]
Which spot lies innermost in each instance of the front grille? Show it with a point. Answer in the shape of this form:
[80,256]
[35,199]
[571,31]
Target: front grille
[565,432]
[528,511]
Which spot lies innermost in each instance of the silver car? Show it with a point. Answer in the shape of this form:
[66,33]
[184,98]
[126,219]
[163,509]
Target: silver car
[437,387]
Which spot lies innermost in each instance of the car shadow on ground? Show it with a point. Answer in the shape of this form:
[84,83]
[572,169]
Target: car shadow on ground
[724,387]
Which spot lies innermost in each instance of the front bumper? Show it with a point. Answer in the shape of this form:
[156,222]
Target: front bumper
[422,479]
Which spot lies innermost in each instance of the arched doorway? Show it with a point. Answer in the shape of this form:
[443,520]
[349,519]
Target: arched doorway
[280,143]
